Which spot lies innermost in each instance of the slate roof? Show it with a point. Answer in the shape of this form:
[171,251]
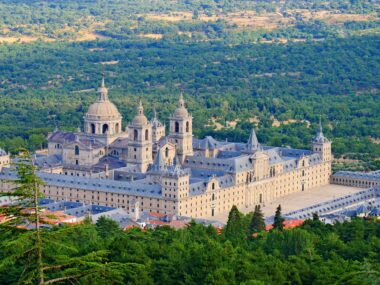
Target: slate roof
[94,184]
[373,176]
[120,143]
[61,137]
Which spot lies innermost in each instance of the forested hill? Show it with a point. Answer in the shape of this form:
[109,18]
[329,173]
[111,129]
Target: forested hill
[275,65]
[337,79]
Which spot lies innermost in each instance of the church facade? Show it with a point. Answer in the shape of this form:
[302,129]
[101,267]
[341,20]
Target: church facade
[141,168]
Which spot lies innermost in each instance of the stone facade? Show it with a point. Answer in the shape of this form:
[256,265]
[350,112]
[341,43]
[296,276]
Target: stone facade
[174,174]
[5,159]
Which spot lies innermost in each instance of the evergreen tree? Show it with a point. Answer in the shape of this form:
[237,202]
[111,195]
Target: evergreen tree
[26,210]
[41,253]
[107,228]
[278,219]
[257,223]
[234,229]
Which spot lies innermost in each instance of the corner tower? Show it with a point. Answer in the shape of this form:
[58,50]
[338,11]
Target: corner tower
[321,145]
[103,120]
[140,141]
[181,130]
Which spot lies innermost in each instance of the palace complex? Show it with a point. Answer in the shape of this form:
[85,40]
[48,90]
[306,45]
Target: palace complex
[142,168]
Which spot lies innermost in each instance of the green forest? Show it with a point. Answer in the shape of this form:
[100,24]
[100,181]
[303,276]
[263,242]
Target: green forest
[345,253]
[308,59]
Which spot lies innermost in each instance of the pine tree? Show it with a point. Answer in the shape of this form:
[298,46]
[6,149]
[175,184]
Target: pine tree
[278,219]
[41,254]
[234,229]
[26,210]
[257,223]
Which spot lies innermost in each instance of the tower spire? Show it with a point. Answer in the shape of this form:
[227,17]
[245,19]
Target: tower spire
[253,143]
[102,91]
[140,108]
[181,101]
[320,130]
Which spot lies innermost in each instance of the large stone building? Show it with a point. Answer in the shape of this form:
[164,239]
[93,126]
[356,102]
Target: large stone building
[143,168]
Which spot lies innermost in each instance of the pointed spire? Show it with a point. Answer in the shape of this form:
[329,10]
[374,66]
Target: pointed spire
[253,143]
[102,91]
[159,162]
[320,131]
[319,137]
[140,108]
[154,114]
[181,101]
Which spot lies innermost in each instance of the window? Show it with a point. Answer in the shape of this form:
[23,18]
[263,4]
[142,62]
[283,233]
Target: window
[92,126]
[176,127]
[117,128]
[105,128]
[76,150]
[213,187]
[166,152]
[146,135]
[187,127]
[135,135]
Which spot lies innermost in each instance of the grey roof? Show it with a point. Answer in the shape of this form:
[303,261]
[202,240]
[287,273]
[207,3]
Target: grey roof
[320,138]
[61,137]
[3,152]
[87,210]
[94,184]
[372,176]
[253,143]
[206,143]
[110,161]
[47,160]
[120,143]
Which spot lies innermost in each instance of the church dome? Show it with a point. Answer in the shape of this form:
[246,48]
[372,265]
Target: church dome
[181,111]
[103,108]
[140,118]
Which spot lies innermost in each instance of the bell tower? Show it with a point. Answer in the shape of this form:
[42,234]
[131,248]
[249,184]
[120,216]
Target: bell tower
[321,145]
[140,141]
[181,130]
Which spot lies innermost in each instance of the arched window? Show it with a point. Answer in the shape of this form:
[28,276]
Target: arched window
[135,135]
[92,128]
[146,135]
[213,196]
[105,128]
[117,129]
[76,150]
[213,187]
[166,152]
[187,127]
[176,127]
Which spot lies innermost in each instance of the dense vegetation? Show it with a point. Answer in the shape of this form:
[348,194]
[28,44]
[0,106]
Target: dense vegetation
[345,253]
[328,68]
[337,79]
